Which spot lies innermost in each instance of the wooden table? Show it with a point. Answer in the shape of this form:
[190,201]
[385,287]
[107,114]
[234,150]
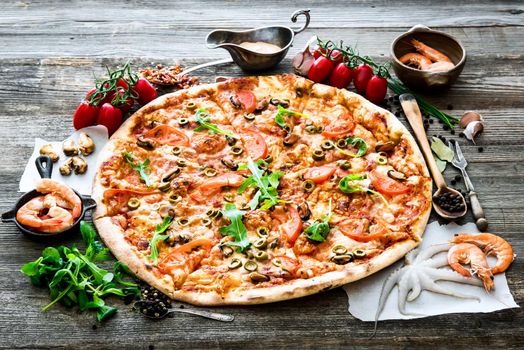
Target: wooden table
[49,53]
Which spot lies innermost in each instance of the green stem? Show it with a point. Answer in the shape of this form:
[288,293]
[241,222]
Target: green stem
[60,296]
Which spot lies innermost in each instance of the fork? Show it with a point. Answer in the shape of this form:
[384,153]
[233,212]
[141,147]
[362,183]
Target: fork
[460,163]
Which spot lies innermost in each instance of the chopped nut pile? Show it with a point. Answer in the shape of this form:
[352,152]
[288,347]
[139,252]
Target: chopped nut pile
[168,76]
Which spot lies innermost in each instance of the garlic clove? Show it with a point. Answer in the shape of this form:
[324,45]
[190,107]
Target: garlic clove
[473,129]
[469,117]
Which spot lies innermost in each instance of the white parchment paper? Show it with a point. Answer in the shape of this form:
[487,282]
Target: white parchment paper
[363,295]
[81,183]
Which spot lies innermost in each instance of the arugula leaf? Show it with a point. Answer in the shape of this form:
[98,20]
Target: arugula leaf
[348,185]
[279,117]
[356,142]
[142,168]
[201,117]
[160,228]
[73,278]
[319,230]
[236,228]
[266,184]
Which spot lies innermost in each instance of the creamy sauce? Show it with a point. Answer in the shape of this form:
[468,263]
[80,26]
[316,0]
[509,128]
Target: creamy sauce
[260,47]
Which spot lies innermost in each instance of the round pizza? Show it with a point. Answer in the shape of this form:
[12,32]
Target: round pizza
[260,189]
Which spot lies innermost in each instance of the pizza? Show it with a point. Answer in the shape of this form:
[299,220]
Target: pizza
[260,189]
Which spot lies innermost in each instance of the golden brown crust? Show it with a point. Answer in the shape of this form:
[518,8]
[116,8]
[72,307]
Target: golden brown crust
[113,234]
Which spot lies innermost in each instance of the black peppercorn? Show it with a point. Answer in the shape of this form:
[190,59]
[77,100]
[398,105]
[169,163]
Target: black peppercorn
[481,149]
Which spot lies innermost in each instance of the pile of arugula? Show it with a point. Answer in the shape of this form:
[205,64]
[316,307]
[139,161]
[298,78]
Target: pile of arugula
[236,228]
[73,277]
[142,168]
[267,185]
[201,117]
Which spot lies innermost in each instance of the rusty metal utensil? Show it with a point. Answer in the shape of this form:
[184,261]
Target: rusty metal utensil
[412,111]
[203,313]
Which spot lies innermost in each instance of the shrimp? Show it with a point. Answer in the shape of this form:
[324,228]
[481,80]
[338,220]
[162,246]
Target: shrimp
[467,253]
[31,215]
[491,245]
[62,191]
[439,67]
[429,52]
[415,59]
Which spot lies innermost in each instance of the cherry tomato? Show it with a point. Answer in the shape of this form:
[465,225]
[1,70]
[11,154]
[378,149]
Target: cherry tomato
[227,179]
[321,69]
[335,55]
[145,91]
[341,76]
[167,135]
[125,107]
[386,185]
[339,127]
[320,174]
[248,100]
[293,226]
[110,117]
[85,115]
[376,89]
[318,51]
[362,76]
[254,143]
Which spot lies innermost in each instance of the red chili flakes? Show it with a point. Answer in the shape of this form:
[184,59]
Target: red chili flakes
[167,76]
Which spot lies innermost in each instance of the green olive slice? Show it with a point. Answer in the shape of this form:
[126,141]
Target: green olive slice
[342,143]
[268,159]
[262,231]
[359,253]
[249,116]
[342,259]
[181,162]
[164,187]
[229,197]
[344,164]
[339,249]
[234,264]
[250,266]
[311,129]
[133,203]
[174,198]
[308,186]
[182,221]
[210,172]
[206,221]
[177,150]
[260,243]
[257,277]
[327,145]
[183,121]
[237,150]
[318,154]
[191,106]
[261,255]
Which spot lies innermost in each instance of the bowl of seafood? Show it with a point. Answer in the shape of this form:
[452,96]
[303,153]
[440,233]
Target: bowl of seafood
[52,209]
[427,59]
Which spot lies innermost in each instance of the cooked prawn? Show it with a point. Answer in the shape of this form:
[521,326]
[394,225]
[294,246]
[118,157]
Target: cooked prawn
[415,59]
[429,52]
[439,67]
[491,245]
[59,190]
[31,215]
[467,253]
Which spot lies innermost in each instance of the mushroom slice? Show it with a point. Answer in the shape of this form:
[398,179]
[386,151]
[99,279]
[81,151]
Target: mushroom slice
[47,150]
[87,146]
[69,147]
[65,168]
[79,165]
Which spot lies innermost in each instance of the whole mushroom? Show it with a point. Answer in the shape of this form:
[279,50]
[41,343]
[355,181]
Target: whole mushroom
[86,144]
[47,150]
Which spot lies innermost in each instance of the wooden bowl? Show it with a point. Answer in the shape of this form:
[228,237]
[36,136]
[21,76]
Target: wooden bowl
[421,80]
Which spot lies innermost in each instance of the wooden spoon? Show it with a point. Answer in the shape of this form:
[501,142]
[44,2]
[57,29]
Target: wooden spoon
[412,111]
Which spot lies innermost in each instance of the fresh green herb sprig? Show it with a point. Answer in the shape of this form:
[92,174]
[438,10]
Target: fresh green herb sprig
[352,58]
[158,236]
[114,86]
[267,185]
[282,112]
[349,184]
[201,117]
[74,278]
[319,230]
[236,228]
[356,142]
[142,168]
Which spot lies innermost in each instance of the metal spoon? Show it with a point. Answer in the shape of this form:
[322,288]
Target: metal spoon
[203,313]
[412,111]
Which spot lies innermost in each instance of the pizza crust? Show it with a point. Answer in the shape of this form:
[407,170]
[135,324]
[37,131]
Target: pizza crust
[113,235]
